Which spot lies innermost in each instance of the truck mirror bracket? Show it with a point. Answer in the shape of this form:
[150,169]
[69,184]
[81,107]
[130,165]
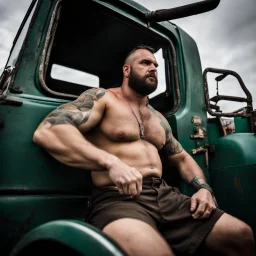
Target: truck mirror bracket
[247,111]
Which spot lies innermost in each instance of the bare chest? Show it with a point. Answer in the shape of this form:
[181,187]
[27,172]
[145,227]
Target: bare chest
[123,124]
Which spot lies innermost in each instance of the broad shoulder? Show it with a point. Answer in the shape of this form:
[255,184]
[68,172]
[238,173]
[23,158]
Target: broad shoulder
[114,92]
[100,95]
[162,119]
[93,94]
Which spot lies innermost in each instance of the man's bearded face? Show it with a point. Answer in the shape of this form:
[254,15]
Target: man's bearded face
[142,85]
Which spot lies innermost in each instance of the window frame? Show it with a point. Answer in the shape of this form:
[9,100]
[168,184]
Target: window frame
[169,52]
[34,7]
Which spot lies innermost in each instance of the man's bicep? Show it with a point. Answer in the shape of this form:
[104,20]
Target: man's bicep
[84,113]
[172,146]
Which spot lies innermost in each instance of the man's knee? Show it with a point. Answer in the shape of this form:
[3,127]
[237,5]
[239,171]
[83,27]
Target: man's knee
[245,235]
[137,237]
[241,234]
[242,239]
[230,234]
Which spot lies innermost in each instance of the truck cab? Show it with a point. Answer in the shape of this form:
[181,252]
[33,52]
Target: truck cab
[66,47]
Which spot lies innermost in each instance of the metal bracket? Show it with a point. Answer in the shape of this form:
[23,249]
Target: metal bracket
[202,149]
[10,101]
[199,132]
[5,82]
[223,73]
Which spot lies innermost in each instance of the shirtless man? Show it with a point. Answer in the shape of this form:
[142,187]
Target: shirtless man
[117,135]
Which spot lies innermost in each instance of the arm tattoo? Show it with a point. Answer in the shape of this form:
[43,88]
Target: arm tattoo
[198,183]
[172,146]
[76,112]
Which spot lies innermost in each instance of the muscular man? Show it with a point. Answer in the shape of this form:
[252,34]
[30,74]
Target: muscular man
[117,135]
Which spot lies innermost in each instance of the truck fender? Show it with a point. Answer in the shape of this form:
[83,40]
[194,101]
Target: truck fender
[73,236]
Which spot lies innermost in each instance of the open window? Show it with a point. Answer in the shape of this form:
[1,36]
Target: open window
[86,46]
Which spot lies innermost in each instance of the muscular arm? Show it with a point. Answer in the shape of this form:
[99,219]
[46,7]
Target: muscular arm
[202,203]
[186,165]
[60,133]
[177,156]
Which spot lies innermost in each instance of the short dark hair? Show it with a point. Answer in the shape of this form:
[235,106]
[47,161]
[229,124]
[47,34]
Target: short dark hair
[141,46]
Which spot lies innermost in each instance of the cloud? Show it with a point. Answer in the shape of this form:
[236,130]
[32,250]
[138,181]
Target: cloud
[11,16]
[226,37]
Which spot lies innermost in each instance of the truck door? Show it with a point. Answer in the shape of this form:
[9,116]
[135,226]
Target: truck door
[62,49]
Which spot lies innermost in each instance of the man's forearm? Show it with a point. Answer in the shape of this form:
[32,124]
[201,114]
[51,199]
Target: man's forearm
[66,144]
[188,168]
[191,172]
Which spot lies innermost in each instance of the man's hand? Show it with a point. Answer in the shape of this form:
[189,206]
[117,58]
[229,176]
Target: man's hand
[127,179]
[202,204]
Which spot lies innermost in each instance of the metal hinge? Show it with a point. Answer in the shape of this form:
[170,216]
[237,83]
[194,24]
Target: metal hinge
[199,132]
[202,149]
[5,82]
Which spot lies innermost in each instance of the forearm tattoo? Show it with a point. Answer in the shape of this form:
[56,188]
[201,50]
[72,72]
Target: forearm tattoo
[76,112]
[198,183]
[172,146]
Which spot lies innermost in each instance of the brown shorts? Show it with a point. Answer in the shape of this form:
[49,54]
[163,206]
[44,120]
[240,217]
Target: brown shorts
[161,206]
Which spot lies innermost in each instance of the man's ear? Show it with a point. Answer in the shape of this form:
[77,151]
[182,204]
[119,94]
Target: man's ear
[126,70]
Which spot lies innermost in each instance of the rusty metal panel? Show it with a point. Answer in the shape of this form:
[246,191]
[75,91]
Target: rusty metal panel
[20,214]
[233,173]
[235,191]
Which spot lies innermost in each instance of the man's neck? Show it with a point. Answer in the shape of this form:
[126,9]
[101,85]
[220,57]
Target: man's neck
[133,97]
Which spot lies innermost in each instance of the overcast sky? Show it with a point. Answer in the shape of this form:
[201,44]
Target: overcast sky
[226,37]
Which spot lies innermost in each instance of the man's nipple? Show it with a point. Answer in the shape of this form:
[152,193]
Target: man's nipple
[121,135]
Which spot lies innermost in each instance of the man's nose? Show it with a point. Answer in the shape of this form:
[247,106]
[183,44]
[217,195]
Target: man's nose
[152,68]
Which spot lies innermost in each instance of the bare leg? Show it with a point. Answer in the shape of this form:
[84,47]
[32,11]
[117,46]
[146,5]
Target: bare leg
[137,238]
[231,236]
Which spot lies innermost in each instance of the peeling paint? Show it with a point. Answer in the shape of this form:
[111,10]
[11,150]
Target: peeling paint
[238,186]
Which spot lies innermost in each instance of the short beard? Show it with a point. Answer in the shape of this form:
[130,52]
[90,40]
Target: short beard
[140,85]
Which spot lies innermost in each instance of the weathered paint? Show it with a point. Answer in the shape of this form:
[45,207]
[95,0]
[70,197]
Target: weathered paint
[36,188]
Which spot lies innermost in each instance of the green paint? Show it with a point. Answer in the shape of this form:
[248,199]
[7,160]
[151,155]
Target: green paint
[37,189]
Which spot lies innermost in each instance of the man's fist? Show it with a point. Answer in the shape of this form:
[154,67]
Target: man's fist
[127,179]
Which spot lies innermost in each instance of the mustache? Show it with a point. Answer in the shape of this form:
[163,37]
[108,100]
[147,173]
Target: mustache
[151,75]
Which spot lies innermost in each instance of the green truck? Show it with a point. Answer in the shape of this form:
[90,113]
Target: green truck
[65,47]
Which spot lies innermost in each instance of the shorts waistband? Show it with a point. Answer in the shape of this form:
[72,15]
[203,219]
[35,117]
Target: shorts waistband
[152,181]
[148,181]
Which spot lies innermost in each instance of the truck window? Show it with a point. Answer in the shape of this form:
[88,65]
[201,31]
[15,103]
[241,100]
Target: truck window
[77,77]
[79,56]
[161,74]
[74,76]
